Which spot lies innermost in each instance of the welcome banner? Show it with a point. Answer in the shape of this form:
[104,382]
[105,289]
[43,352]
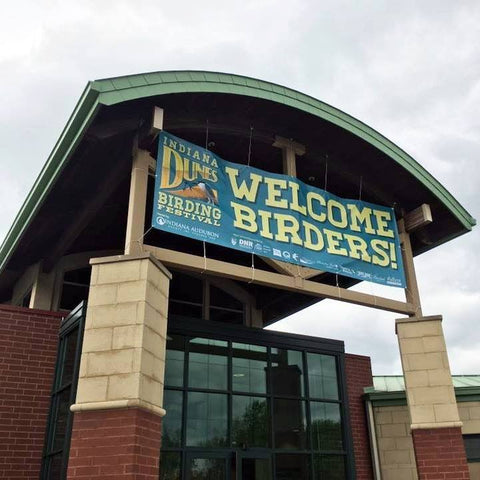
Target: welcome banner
[201,196]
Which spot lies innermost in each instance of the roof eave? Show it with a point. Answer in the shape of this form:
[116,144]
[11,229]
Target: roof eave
[71,135]
[120,89]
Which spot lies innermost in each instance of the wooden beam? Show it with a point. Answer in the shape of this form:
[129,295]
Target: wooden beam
[412,294]
[291,269]
[197,263]
[418,218]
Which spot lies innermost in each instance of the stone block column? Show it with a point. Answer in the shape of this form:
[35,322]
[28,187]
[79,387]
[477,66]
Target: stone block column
[118,408]
[435,422]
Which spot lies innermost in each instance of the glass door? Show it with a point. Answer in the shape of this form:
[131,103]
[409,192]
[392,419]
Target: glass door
[209,466]
[252,465]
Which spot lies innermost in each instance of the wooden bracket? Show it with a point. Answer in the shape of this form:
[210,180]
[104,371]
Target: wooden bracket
[290,150]
[157,121]
[418,218]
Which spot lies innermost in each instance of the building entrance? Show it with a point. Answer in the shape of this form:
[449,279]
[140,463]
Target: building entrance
[235,465]
[252,404]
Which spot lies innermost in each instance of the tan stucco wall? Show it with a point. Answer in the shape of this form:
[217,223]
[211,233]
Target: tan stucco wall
[470,416]
[395,446]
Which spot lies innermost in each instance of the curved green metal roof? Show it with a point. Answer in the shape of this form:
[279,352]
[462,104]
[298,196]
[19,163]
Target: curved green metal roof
[113,91]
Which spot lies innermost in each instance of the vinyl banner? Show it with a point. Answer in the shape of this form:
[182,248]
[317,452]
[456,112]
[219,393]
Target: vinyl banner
[201,196]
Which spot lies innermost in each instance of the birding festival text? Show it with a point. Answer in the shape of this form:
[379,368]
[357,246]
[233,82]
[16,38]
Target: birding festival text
[201,196]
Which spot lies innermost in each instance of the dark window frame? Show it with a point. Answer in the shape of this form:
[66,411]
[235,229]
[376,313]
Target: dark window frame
[191,328]
[473,436]
[74,321]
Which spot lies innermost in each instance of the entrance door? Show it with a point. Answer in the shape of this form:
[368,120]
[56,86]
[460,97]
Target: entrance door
[253,465]
[221,465]
[209,465]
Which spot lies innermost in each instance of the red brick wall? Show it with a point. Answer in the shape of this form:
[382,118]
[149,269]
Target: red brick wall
[121,443]
[358,372]
[440,454]
[28,350]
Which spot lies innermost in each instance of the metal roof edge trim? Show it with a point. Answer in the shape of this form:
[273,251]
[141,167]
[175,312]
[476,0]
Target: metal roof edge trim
[131,87]
[379,398]
[71,134]
[120,89]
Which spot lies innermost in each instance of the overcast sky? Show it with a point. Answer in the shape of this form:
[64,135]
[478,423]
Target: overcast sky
[410,69]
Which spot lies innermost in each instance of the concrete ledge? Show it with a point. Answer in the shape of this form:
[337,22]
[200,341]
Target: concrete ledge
[430,318]
[126,258]
[115,404]
[428,426]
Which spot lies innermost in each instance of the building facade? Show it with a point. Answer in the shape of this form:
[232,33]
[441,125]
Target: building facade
[130,352]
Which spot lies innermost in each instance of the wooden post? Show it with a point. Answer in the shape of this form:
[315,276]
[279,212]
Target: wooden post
[142,161]
[137,203]
[411,290]
[290,150]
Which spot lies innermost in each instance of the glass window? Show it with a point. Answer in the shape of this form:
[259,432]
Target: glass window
[287,372]
[290,466]
[186,288]
[172,422]
[195,297]
[322,376]
[55,466]
[290,424]
[62,413]
[170,466]
[329,467]
[326,426]
[245,406]
[75,288]
[221,299]
[226,316]
[207,468]
[69,359]
[250,422]
[57,438]
[186,296]
[174,360]
[472,447]
[207,419]
[207,364]
[249,365]
[185,309]
[25,302]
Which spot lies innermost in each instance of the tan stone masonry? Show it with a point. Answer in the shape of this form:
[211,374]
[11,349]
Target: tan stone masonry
[123,355]
[428,382]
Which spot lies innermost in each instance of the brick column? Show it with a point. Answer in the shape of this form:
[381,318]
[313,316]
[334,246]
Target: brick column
[358,372]
[118,409]
[435,423]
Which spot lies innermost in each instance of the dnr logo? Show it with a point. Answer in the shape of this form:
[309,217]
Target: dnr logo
[245,243]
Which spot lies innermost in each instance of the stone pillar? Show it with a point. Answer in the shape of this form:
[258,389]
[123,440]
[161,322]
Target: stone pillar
[435,422]
[118,408]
